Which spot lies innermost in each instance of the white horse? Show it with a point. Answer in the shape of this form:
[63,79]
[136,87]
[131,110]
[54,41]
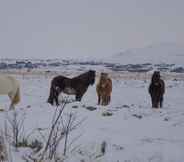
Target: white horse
[11,87]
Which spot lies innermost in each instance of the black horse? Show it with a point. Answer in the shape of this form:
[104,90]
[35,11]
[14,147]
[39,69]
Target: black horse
[156,90]
[73,86]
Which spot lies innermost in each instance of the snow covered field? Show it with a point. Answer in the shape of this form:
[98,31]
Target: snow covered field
[134,133]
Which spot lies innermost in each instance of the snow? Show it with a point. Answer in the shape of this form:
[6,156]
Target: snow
[157,136]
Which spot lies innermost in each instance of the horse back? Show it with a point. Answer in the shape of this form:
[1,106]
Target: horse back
[59,81]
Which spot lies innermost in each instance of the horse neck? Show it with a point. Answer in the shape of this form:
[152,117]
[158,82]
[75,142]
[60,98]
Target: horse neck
[157,82]
[84,75]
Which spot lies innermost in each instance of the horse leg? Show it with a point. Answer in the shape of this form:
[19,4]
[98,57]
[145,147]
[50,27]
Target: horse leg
[11,98]
[108,99]
[78,97]
[56,100]
[56,95]
[11,107]
[158,101]
[103,100]
[161,102]
[99,99]
[154,102]
[52,95]
[157,105]
[51,99]
[80,94]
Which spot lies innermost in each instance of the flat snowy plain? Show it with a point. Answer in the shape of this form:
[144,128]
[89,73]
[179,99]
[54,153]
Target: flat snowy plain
[134,133]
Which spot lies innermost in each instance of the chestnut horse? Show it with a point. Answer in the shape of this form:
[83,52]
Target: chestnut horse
[156,90]
[72,86]
[10,86]
[104,89]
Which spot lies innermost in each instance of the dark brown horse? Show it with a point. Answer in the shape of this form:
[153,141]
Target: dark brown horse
[156,90]
[73,86]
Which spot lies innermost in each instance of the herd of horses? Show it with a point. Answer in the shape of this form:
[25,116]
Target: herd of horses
[78,86]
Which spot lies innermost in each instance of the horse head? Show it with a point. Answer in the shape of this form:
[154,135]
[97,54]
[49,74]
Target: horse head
[155,77]
[103,79]
[91,76]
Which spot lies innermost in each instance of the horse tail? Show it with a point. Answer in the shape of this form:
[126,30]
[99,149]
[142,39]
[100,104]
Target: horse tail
[52,93]
[50,99]
[16,98]
[110,84]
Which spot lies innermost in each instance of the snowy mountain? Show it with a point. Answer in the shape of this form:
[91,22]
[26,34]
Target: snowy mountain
[158,53]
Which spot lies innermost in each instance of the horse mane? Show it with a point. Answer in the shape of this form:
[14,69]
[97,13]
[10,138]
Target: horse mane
[87,77]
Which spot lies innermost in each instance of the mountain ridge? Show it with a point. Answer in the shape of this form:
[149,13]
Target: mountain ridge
[156,53]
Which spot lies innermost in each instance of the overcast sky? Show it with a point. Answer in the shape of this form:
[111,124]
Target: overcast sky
[85,28]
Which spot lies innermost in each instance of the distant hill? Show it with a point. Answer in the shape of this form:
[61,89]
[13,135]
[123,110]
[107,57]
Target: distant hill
[158,53]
